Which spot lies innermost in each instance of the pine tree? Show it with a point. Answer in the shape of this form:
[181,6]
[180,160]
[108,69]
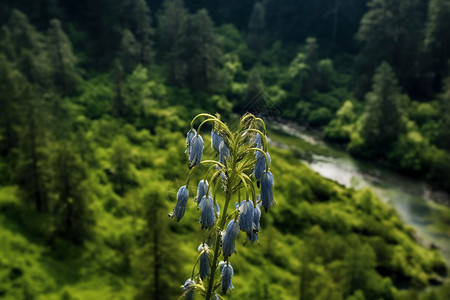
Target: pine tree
[157,266]
[170,20]
[391,31]
[196,56]
[437,39]
[140,24]
[12,84]
[382,124]
[255,85]
[65,74]
[25,46]
[256,27]
[444,138]
[122,176]
[32,171]
[117,78]
[71,195]
[129,51]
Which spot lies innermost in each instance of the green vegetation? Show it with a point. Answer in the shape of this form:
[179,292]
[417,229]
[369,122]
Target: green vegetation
[95,98]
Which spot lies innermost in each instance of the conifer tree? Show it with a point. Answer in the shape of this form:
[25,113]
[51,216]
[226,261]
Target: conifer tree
[444,139]
[256,27]
[140,24]
[12,84]
[65,74]
[196,56]
[437,39]
[170,20]
[129,51]
[121,160]
[117,78]
[71,196]
[25,46]
[255,85]
[382,124]
[33,171]
[391,31]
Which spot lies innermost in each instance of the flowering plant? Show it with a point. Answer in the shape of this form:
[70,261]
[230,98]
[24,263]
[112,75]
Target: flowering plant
[243,164]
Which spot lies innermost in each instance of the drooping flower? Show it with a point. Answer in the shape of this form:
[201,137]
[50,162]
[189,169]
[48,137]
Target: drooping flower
[260,166]
[204,261]
[266,190]
[187,287]
[224,152]
[201,191]
[196,151]
[191,133]
[207,218]
[253,236]
[227,275]
[231,233]
[258,141]
[246,216]
[180,207]
[216,140]
[256,216]
[217,208]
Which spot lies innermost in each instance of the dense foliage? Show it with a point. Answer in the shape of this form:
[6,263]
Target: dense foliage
[94,101]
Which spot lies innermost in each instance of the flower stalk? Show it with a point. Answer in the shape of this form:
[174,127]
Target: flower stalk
[242,155]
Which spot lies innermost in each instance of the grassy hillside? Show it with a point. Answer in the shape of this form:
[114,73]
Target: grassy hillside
[321,240]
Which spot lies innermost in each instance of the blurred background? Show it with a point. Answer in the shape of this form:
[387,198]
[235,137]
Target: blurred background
[96,97]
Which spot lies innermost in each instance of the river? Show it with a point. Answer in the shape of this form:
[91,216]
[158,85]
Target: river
[415,201]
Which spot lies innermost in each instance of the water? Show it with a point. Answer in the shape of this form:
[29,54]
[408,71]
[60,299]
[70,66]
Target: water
[414,200]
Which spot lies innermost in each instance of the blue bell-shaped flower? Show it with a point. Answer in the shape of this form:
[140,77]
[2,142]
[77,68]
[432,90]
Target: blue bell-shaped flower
[227,276]
[266,190]
[224,152]
[180,207]
[204,261]
[258,141]
[191,133]
[201,191]
[187,287]
[246,216]
[216,139]
[208,217]
[256,217]
[196,151]
[230,235]
[260,166]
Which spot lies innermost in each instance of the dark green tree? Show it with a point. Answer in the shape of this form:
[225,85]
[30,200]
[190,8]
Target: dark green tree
[129,51]
[444,139]
[391,31]
[66,76]
[70,193]
[12,84]
[32,171]
[255,86]
[357,264]
[382,124]
[117,78]
[437,40]
[121,162]
[256,27]
[170,19]
[140,24]
[25,46]
[160,256]
[196,57]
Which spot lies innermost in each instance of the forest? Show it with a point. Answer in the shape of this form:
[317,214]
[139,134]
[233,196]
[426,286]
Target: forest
[96,98]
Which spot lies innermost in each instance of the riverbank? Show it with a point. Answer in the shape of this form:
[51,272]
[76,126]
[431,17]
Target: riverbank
[417,203]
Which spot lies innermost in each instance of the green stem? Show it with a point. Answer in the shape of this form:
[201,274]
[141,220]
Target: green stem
[222,221]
